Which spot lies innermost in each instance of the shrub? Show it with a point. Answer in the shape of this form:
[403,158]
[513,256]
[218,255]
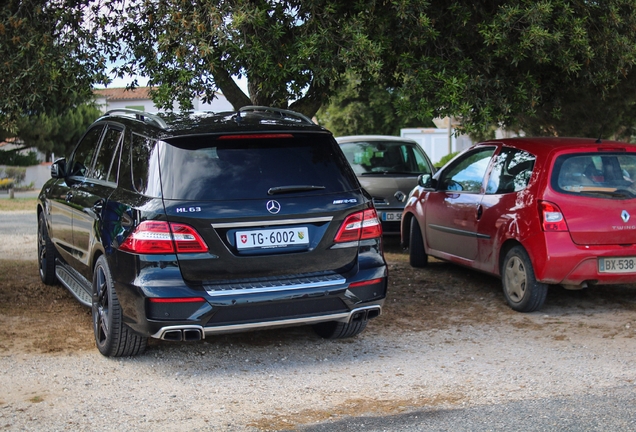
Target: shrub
[16,173]
[17,159]
[6,183]
[445,159]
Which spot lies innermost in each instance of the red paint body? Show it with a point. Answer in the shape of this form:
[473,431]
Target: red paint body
[476,228]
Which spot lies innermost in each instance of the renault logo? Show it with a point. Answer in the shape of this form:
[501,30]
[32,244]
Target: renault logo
[274,207]
[625,216]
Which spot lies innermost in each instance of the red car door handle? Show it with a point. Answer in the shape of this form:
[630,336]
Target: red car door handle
[480,211]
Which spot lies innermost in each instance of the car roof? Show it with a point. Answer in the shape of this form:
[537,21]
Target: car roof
[357,138]
[205,122]
[546,145]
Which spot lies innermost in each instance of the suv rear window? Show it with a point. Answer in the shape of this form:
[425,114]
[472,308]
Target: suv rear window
[610,175]
[207,168]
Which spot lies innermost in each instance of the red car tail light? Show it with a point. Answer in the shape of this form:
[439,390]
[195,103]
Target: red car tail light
[176,300]
[157,237]
[359,226]
[365,283]
[551,217]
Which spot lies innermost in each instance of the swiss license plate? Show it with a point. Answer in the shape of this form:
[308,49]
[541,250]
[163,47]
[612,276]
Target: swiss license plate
[272,238]
[617,265]
[392,216]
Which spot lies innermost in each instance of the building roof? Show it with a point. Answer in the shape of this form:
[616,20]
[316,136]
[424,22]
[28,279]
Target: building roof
[122,94]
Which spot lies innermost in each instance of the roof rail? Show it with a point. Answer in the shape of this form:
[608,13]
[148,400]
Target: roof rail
[141,115]
[281,112]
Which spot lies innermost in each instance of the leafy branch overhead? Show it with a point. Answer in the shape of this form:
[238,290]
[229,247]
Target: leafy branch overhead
[515,62]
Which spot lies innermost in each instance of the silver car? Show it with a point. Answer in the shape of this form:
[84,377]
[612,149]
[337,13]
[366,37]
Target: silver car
[387,167]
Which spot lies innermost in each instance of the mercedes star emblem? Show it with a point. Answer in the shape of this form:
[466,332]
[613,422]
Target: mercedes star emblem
[273,206]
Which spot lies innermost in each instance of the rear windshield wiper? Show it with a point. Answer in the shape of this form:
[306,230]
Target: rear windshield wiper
[385,172]
[293,188]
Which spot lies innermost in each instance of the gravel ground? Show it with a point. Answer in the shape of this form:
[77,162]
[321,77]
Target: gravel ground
[294,379]
[446,340]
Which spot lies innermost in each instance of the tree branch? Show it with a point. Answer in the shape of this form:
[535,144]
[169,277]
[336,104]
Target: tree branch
[230,89]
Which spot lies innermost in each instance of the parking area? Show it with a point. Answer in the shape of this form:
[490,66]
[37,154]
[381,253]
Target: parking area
[446,339]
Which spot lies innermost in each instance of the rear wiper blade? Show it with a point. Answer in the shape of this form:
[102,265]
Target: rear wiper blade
[293,188]
[370,173]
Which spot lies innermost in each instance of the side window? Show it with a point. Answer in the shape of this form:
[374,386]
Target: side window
[422,164]
[83,156]
[511,171]
[144,164]
[467,174]
[106,161]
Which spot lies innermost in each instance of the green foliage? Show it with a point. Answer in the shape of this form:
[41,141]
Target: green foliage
[53,133]
[510,63]
[16,173]
[445,159]
[49,57]
[359,109]
[490,62]
[14,158]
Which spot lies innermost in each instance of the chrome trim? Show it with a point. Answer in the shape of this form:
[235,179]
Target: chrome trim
[281,288]
[163,330]
[458,231]
[341,317]
[273,222]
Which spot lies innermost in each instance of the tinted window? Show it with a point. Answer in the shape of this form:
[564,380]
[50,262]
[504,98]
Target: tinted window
[467,173]
[610,175]
[83,155]
[511,171]
[381,157]
[106,160]
[206,168]
[144,163]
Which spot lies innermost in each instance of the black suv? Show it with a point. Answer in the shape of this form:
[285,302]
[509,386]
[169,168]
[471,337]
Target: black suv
[181,226]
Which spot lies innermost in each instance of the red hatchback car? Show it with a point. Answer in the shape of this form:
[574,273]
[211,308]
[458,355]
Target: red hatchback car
[534,211]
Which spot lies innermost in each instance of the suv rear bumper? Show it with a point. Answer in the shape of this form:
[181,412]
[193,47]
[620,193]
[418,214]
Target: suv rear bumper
[295,301]
[197,332]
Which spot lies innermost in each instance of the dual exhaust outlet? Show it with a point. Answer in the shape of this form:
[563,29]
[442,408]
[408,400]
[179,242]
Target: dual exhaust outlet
[194,333]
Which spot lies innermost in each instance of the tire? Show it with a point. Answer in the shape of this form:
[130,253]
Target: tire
[340,330]
[112,336]
[417,256]
[46,253]
[521,289]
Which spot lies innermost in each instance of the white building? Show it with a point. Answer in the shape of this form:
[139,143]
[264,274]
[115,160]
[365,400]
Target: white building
[437,142]
[115,98]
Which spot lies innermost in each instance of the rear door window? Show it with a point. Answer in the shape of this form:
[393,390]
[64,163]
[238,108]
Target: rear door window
[510,172]
[106,160]
[607,175]
[213,168]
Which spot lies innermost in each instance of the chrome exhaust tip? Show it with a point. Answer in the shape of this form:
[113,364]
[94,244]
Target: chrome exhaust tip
[180,333]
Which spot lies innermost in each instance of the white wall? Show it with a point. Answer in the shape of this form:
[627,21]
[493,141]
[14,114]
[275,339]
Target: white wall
[38,174]
[219,104]
[434,141]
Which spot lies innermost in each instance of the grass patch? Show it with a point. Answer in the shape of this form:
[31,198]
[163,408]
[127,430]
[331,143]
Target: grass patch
[18,204]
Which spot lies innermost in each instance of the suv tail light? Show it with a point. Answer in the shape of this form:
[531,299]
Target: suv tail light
[157,237]
[359,226]
[551,217]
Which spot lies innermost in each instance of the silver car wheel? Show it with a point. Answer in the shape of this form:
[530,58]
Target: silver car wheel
[516,280]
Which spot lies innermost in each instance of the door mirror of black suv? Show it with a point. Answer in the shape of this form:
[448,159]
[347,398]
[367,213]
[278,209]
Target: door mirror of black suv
[58,169]
[426,181]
